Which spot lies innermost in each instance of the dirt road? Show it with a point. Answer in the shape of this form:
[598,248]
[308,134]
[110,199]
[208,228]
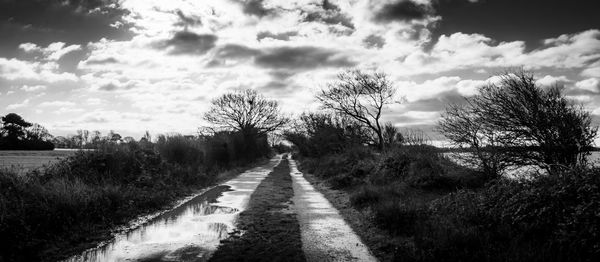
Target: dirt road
[268,213]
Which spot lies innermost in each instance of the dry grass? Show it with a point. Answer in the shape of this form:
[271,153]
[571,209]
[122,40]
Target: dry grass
[29,160]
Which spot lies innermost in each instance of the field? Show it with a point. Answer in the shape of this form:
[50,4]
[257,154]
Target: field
[29,160]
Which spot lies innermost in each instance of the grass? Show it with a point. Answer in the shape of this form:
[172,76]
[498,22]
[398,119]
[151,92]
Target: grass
[24,161]
[432,209]
[48,214]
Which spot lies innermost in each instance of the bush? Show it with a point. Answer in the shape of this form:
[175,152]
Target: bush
[399,218]
[548,218]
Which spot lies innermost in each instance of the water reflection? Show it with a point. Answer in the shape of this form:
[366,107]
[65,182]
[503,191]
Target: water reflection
[189,232]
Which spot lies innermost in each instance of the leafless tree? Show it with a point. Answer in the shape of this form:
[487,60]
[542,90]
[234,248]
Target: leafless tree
[519,122]
[245,111]
[415,137]
[361,96]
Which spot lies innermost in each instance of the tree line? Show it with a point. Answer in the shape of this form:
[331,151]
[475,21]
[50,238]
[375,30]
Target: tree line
[18,134]
[512,122]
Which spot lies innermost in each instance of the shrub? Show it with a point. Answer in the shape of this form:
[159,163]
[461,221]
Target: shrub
[397,217]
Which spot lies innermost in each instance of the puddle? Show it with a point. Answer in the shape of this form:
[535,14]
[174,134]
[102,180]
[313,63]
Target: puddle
[190,232]
[325,234]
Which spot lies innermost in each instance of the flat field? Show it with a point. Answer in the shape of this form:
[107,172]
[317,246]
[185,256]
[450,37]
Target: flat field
[28,160]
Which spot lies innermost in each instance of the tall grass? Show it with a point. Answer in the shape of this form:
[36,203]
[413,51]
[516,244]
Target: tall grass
[45,213]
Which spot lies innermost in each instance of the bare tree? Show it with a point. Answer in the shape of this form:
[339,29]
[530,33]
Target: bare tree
[361,96]
[245,111]
[519,122]
[415,137]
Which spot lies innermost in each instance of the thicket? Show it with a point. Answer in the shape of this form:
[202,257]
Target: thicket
[49,211]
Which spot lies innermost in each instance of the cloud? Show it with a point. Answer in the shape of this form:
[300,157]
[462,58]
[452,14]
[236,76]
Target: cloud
[256,8]
[329,13]
[14,69]
[34,88]
[549,80]
[53,52]
[374,41]
[306,57]
[25,103]
[72,21]
[236,51]
[57,103]
[402,10]
[462,51]
[592,71]
[590,84]
[186,42]
[284,36]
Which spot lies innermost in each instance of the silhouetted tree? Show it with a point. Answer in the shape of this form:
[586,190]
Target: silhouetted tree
[247,112]
[14,127]
[361,96]
[519,122]
[16,133]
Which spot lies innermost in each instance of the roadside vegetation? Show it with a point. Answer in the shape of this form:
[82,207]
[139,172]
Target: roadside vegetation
[50,213]
[433,209]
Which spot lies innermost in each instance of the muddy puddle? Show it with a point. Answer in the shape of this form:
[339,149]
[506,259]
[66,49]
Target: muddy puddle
[190,232]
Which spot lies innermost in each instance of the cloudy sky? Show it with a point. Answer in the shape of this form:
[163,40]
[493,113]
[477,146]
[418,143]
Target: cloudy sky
[135,65]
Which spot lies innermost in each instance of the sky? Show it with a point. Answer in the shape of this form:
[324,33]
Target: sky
[136,65]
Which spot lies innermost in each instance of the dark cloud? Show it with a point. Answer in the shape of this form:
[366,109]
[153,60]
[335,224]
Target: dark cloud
[186,42]
[187,21]
[402,10]
[437,103]
[510,20]
[285,36]
[256,8]
[281,74]
[329,13]
[275,85]
[374,41]
[71,21]
[109,60]
[236,51]
[301,58]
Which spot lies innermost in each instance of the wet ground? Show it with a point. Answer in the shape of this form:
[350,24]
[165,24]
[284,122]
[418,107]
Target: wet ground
[268,213]
[189,232]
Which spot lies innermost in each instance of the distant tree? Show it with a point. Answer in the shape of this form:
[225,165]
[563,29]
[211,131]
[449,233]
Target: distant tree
[38,132]
[147,137]
[318,134]
[114,137]
[361,96]
[247,112]
[14,127]
[518,122]
[96,137]
[128,139]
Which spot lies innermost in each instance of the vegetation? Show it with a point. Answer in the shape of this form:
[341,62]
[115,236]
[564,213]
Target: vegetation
[362,97]
[46,213]
[517,122]
[433,209]
[18,134]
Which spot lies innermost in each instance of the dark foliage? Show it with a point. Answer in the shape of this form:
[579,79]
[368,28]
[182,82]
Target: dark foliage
[44,212]
[18,134]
